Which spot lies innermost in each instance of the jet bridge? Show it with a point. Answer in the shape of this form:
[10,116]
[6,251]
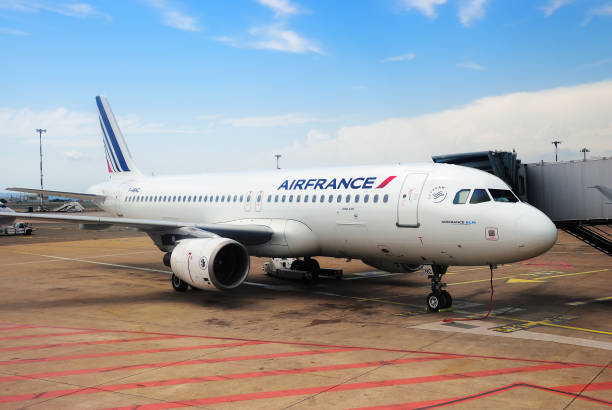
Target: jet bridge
[574,194]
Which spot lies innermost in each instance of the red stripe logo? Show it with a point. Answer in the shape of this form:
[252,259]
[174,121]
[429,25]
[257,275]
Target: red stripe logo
[386,181]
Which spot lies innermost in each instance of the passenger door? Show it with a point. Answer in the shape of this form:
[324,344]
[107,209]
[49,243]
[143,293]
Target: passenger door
[258,201]
[247,201]
[408,203]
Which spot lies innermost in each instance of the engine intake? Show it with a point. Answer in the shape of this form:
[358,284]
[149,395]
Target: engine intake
[210,263]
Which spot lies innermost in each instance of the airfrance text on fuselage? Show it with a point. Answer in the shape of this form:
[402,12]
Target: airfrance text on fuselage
[342,183]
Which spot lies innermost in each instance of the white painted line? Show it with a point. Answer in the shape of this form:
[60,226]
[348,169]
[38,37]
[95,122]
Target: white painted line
[84,257]
[483,329]
[101,263]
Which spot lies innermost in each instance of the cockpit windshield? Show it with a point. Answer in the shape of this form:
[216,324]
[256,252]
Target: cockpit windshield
[503,195]
[462,196]
[479,196]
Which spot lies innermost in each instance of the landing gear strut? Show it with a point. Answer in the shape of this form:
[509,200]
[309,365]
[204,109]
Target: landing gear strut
[438,298]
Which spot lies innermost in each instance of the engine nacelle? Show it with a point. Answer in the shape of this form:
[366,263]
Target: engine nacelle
[392,266]
[210,263]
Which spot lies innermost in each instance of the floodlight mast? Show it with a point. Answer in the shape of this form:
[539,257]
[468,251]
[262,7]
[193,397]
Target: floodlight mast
[555,143]
[40,133]
[584,151]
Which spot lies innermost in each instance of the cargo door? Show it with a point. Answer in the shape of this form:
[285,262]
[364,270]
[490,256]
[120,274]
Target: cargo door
[408,203]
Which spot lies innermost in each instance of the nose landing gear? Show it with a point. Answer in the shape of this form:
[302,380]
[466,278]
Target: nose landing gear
[438,298]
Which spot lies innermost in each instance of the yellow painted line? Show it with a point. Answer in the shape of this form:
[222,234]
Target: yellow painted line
[585,302]
[478,281]
[578,273]
[545,323]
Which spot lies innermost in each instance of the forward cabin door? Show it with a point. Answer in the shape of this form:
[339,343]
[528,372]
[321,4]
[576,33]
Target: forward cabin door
[408,203]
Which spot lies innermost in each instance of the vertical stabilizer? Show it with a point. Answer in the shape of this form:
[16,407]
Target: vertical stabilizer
[118,158]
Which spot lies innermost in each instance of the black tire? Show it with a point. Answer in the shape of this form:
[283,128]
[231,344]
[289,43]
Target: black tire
[448,299]
[178,284]
[28,232]
[434,302]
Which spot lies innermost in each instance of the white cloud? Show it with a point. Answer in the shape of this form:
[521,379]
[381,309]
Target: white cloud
[605,10]
[278,37]
[527,121]
[78,10]
[471,10]
[281,8]
[270,121]
[12,32]
[472,66]
[554,5]
[174,17]
[403,57]
[75,155]
[427,7]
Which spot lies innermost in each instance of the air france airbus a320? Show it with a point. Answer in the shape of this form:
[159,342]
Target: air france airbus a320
[394,218]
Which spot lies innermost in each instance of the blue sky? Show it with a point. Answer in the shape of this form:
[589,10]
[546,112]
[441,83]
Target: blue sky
[217,85]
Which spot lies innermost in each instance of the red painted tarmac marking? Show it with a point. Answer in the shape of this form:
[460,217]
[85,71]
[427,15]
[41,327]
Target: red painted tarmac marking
[82,332]
[342,387]
[234,376]
[380,349]
[87,343]
[125,353]
[18,327]
[178,363]
[430,404]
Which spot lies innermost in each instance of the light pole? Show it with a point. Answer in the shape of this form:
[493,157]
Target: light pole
[555,143]
[277,158]
[584,151]
[40,133]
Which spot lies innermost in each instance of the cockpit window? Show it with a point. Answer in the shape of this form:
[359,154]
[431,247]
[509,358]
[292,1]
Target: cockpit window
[461,197]
[503,195]
[479,195]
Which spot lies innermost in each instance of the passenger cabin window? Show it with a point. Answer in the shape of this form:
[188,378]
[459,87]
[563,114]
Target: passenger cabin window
[386,198]
[503,195]
[461,197]
[479,196]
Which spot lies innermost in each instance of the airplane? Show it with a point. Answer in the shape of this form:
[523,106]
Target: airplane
[396,218]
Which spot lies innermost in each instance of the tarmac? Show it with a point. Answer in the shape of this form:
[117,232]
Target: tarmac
[89,320]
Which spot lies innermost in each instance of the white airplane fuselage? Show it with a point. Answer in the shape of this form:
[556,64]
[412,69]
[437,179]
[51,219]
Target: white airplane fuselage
[409,216]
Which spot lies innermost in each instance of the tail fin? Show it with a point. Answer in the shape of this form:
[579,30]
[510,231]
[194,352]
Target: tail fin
[118,157]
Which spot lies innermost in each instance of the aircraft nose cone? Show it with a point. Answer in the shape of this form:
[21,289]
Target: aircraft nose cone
[538,232]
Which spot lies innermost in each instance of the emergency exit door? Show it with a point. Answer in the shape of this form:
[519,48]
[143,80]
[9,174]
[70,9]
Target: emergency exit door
[408,203]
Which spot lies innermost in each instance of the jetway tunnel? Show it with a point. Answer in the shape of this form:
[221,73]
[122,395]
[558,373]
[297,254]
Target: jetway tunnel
[574,194]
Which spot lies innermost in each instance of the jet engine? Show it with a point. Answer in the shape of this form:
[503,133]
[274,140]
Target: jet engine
[210,263]
[391,266]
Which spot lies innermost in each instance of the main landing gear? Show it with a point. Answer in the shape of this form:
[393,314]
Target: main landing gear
[438,298]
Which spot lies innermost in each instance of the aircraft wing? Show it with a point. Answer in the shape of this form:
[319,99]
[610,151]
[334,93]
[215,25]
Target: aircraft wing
[45,192]
[246,234]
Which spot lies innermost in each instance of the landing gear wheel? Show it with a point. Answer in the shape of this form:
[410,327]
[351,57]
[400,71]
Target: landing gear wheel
[434,302]
[178,284]
[448,299]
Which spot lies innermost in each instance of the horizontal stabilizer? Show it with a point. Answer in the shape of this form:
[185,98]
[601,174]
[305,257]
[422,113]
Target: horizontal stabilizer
[63,194]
